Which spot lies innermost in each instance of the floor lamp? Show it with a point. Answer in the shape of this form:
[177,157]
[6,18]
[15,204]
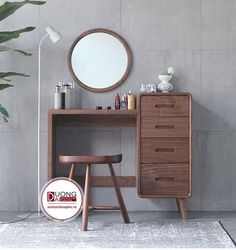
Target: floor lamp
[55,37]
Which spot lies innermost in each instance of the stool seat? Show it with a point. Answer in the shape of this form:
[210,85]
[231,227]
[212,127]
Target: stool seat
[74,160]
[89,159]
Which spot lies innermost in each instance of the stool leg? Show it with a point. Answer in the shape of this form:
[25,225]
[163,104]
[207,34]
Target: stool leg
[119,195]
[84,224]
[72,171]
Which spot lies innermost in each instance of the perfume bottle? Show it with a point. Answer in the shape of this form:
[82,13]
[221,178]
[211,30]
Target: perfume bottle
[123,104]
[117,102]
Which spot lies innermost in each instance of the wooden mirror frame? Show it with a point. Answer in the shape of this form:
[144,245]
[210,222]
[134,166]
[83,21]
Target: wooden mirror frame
[115,85]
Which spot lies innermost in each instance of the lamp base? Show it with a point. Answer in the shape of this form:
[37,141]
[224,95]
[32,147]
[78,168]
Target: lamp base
[31,216]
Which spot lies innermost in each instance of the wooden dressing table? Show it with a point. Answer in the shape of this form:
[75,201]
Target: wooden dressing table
[89,118]
[163,125]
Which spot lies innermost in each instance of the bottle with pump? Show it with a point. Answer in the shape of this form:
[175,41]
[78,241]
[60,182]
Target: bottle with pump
[131,100]
[68,96]
[59,97]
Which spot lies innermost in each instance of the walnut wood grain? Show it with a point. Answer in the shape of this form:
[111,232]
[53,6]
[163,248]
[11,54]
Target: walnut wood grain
[92,112]
[165,180]
[80,159]
[93,118]
[122,78]
[96,160]
[106,181]
[168,105]
[103,208]
[164,147]
[89,118]
[182,206]
[84,223]
[119,195]
[164,150]
[164,126]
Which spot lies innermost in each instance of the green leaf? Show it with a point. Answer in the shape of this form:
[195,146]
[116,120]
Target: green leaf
[6,36]
[6,80]
[6,74]
[8,8]
[4,111]
[5,85]
[5,48]
[35,2]
[23,52]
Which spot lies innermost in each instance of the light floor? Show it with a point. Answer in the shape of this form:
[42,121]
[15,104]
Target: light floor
[227,219]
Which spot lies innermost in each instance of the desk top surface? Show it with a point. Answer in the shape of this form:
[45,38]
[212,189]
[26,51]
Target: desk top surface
[93,112]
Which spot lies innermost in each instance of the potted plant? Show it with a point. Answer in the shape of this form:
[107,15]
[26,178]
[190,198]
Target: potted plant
[6,10]
[165,77]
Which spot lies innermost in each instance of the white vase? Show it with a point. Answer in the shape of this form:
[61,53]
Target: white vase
[165,86]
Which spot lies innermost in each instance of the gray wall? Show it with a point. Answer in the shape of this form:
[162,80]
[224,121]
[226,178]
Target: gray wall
[197,37]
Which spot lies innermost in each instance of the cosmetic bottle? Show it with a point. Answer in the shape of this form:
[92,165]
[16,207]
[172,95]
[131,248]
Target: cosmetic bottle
[63,100]
[68,96]
[73,95]
[61,91]
[117,102]
[123,105]
[126,100]
[143,88]
[131,101]
[57,98]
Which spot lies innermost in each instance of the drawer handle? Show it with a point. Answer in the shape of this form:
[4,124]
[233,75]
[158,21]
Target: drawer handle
[164,179]
[164,150]
[168,106]
[164,126]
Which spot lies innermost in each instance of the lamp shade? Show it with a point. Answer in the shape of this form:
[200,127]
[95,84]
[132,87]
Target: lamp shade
[54,35]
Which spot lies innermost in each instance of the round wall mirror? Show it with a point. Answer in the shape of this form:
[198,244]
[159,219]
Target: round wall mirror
[99,60]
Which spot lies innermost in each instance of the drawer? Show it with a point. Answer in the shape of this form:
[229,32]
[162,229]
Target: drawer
[164,126]
[165,105]
[164,180]
[164,150]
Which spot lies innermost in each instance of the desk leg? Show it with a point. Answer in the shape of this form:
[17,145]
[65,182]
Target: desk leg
[182,207]
[51,146]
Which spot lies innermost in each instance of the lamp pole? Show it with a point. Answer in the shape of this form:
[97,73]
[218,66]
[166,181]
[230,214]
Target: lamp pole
[55,37]
[39,118]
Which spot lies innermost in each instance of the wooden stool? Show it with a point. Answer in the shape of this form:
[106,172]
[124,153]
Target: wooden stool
[88,160]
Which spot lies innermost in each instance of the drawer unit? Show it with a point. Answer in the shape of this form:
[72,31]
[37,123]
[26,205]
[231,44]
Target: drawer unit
[164,155]
[165,180]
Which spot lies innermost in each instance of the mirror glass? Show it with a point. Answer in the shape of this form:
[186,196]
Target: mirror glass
[99,60]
